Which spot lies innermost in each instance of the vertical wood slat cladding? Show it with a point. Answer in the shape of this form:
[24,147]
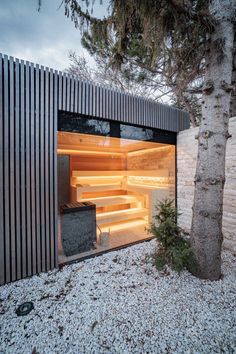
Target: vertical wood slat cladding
[30,97]
[42,171]
[27,167]
[32,168]
[37,162]
[6,187]
[2,239]
[17,171]
[54,237]
[46,162]
[12,167]
[28,125]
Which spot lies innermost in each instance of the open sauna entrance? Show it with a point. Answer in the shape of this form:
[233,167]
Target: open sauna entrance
[123,178]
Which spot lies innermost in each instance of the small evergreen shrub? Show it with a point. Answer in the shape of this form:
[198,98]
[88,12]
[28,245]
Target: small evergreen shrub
[175,249]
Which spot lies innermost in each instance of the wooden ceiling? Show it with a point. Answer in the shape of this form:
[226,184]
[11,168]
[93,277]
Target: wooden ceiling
[74,142]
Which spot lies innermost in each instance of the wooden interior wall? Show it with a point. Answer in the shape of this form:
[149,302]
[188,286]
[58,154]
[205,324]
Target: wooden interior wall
[156,159]
[91,162]
[28,183]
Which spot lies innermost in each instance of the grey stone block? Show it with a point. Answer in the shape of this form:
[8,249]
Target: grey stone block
[78,230]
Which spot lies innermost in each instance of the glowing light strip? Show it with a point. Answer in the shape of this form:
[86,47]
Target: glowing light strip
[123,196]
[151,178]
[123,226]
[86,152]
[143,151]
[150,186]
[97,177]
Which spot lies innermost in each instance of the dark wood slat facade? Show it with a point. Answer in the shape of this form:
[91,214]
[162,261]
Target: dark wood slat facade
[30,97]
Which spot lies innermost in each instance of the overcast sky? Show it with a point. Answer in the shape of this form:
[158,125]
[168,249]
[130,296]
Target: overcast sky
[44,37]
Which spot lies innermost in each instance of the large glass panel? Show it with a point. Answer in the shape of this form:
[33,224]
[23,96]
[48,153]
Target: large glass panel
[123,178]
[70,122]
[77,123]
[137,133]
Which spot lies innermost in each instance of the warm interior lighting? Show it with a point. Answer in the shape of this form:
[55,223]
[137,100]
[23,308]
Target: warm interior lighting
[122,226]
[87,152]
[123,211]
[97,177]
[103,185]
[150,186]
[148,181]
[123,177]
[78,141]
[122,197]
[148,150]
[98,173]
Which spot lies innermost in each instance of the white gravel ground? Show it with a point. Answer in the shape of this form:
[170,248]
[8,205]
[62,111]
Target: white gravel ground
[119,303]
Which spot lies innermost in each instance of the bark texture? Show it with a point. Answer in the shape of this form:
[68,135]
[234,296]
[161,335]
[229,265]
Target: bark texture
[233,95]
[206,231]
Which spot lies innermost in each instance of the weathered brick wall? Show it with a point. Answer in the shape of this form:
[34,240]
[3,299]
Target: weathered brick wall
[186,165]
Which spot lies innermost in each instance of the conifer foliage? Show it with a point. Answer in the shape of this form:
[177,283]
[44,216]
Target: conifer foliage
[174,247]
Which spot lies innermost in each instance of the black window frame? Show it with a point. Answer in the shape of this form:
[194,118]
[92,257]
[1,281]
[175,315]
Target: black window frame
[159,135]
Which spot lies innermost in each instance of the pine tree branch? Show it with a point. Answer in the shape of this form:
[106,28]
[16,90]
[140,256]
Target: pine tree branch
[202,17]
[73,9]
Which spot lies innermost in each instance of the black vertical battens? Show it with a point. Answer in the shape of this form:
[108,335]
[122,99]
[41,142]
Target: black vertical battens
[94,100]
[42,168]
[37,167]
[68,93]
[72,95]
[2,231]
[22,171]
[76,96]
[54,154]
[64,92]
[51,166]
[30,97]
[6,159]
[17,170]
[79,109]
[12,166]
[32,168]
[47,170]
[60,90]
[27,164]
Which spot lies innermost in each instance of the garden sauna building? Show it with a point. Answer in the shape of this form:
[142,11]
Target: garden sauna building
[95,150]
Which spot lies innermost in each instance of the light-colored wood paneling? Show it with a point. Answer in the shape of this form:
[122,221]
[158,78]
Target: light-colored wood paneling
[97,163]
[87,142]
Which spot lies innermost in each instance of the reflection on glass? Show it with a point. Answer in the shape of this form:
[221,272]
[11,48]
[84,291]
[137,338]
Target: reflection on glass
[136,133]
[69,122]
[77,123]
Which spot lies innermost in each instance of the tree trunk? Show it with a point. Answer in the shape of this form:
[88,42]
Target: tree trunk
[233,96]
[206,231]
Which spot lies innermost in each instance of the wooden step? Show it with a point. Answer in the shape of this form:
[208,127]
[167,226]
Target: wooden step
[121,215]
[91,180]
[118,226]
[113,200]
[98,174]
[98,187]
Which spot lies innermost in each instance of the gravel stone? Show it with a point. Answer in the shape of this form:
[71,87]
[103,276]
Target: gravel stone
[120,303]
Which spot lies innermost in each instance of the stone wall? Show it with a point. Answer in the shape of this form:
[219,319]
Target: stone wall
[186,165]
